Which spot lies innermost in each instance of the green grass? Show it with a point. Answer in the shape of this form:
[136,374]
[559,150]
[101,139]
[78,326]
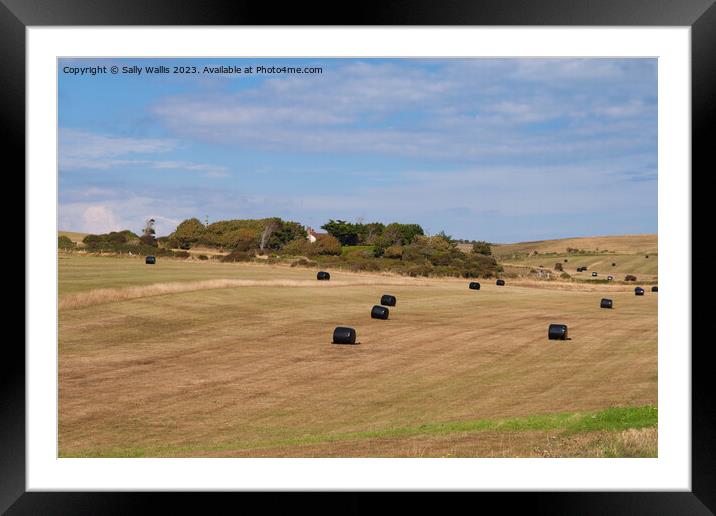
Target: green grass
[352,249]
[614,419]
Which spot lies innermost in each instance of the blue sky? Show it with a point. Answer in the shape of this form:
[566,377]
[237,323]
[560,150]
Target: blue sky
[501,150]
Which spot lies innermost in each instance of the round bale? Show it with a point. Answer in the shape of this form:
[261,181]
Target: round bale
[323,276]
[594,274]
[388,300]
[474,285]
[606,303]
[655,289]
[343,335]
[610,278]
[500,283]
[150,260]
[638,291]
[557,332]
[379,312]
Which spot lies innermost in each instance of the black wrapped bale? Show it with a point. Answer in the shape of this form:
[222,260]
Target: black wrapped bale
[655,289]
[557,332]
[150,260]
[614,264]
[610,278]
[379,312]
[388,300]
[323,275]
[500,283]
[474,285]
[343,335]
[606,303]
[594,274]
[638,291]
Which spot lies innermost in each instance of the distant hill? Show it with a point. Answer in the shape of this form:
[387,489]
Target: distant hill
[73,235]
[621,244]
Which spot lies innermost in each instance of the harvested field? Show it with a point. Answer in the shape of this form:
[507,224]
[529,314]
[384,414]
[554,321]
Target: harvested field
[208,359]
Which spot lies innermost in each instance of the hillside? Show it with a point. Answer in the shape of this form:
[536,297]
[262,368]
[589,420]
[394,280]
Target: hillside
[621,244]
[75,236]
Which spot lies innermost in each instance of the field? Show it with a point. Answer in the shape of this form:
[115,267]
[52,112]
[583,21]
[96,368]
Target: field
[206,359]
[620,244]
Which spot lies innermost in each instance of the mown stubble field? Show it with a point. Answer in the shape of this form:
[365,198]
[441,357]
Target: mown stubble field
[248,369]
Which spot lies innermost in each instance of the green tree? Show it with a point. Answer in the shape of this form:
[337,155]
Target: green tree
[347,233]
[188,232]
[287,232]
[64,242]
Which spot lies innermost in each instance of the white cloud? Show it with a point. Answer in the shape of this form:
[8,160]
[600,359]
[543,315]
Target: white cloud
[86,150]
[457,110]
[98,219]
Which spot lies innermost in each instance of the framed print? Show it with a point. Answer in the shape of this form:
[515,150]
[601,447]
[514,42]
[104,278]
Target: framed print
[418,250]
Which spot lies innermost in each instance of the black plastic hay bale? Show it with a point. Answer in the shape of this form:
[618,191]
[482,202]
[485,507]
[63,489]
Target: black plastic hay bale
[379,312]
[150,260]
[606,303]
[655,289]
[323,275]
[500,283]
[557,332]
[594,274]
[614,264]
[610,278]
[474,285]
[388,300]
[343,335]
[638,291]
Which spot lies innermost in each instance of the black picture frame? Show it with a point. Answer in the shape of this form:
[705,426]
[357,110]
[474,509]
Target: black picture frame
[17,15]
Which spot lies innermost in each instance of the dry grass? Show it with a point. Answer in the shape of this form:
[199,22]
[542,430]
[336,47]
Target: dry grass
[113,295]
[634,442]
[218,371]
[625,244]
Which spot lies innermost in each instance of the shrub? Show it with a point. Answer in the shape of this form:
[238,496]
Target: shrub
[564,275]
[558,267]
[394,251]
[327,244]
[304,263]
[629,277]
[203,257]
[298,247]
[238,256]
[64,242]
[481,247]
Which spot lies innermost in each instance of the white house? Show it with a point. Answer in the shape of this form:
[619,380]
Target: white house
[311,235]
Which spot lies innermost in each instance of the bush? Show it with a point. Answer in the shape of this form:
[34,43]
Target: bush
[298,247]
[394,251]
[304,263]
[558,267]
[564,275]
[64,242]
[203,257]
[237,256]
[326,244]
[629,277]
[482,247]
